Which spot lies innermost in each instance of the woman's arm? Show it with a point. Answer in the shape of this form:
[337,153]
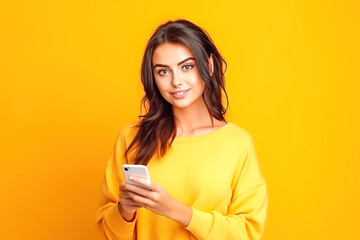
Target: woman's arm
[245,218]
[109,221]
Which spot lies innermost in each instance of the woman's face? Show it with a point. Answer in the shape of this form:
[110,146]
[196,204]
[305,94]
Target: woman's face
[177,76]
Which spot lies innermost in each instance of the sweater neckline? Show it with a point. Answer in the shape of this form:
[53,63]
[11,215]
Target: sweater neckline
[211,134]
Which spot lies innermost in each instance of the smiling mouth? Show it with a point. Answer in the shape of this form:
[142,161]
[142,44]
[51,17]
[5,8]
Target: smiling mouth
[181,93]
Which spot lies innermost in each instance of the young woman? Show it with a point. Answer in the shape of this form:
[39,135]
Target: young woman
[206,182]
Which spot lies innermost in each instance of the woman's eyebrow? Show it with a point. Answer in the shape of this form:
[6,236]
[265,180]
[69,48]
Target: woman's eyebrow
[186,59]
[163,65]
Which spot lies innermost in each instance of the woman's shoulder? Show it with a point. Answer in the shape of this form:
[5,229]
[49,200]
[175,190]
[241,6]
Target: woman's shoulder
[238,132]
[128,130]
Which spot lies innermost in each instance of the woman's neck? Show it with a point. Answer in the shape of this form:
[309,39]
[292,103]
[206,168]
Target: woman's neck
[194,120]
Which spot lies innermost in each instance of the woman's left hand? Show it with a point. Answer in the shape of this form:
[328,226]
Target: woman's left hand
[156,199]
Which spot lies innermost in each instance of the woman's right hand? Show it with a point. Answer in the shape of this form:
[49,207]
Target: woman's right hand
[127,206]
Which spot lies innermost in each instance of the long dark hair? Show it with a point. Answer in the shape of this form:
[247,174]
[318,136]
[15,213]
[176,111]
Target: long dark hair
[156,128]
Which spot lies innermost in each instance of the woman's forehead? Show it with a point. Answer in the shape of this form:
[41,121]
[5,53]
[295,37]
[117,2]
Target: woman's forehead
[171,54]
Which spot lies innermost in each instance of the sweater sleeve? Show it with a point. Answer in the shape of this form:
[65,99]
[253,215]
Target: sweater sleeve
[109,221]
[247,211]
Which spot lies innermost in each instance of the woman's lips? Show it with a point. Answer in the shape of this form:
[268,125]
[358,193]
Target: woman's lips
[180,94]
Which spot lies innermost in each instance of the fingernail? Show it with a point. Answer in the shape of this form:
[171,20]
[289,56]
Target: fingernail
[131,178]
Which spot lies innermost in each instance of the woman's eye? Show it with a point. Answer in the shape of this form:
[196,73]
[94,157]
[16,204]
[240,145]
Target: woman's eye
[163,72]
[187,67]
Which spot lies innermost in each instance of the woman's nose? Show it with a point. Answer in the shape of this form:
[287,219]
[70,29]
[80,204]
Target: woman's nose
[177,80]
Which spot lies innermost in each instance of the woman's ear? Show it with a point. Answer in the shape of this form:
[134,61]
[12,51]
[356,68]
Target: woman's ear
[211,64]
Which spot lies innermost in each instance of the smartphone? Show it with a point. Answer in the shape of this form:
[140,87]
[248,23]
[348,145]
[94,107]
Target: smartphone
[135,170]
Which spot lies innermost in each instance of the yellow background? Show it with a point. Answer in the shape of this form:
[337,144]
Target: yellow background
[69,80]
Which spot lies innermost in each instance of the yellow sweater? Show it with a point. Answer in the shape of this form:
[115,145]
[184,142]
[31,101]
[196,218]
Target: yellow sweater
[216,174]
